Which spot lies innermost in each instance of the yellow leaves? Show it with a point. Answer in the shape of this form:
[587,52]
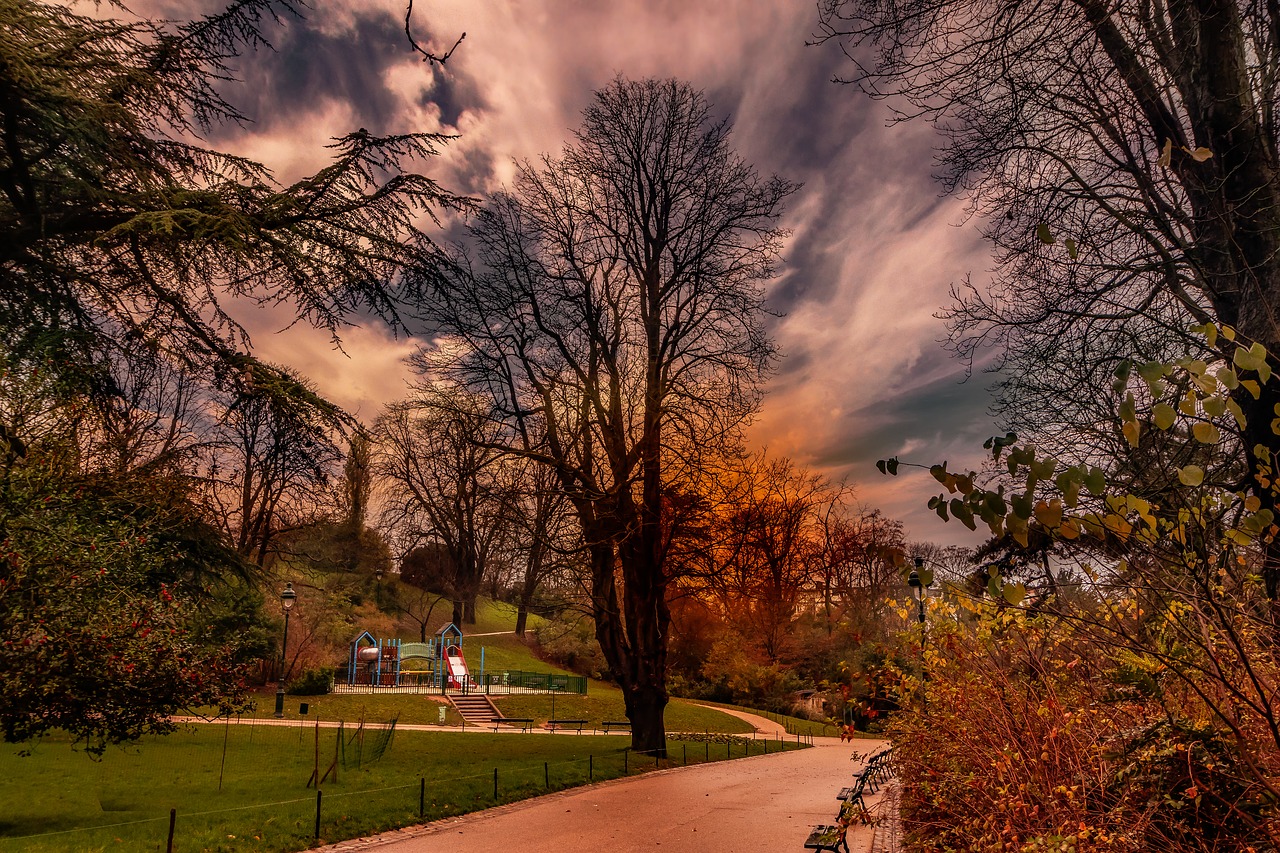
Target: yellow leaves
[1049,514]
[1191,475]
[1132,432]
[1206,433]
[1163,415]
[1199,154]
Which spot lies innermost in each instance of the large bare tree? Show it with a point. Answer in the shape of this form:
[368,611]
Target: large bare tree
[611,314]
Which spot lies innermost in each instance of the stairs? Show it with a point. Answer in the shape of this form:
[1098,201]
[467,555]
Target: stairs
[475,708]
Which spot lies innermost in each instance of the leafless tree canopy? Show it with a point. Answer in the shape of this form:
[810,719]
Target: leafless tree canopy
[610,311]
[1091,124]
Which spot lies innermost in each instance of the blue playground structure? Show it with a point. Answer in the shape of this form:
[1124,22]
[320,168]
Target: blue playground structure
[377,663]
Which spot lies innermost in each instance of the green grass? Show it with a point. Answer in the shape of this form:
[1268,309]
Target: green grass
[61,800]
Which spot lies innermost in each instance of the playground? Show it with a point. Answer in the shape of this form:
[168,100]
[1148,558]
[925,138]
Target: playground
[439,666]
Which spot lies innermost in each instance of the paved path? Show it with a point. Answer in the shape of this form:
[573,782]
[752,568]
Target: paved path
[763,804]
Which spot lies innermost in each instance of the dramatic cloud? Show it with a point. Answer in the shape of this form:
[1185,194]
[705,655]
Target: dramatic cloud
[873,247]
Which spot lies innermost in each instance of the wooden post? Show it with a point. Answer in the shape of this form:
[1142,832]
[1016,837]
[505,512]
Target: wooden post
[422,798]
[173,819]
[319,797]
[495,783]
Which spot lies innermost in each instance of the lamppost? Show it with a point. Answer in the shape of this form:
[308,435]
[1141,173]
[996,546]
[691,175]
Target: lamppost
[287,597]
[920,578]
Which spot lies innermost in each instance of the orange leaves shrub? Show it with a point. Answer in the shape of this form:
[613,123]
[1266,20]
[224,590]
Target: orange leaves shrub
[1029,734]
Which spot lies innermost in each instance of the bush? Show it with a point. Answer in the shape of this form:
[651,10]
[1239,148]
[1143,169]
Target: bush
[312,682]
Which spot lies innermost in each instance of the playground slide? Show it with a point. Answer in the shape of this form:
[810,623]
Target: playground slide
[457,671]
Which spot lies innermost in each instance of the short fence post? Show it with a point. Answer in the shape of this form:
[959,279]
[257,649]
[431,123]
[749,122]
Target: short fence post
[656,760]
[546,775]
[495,783]
[422,797]
[706,750]
[319,796]
[591,768]
[173,819]
[728,745]
[626,755]
[684,747]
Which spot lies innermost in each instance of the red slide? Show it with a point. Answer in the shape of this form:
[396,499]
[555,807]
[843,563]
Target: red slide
[459,678]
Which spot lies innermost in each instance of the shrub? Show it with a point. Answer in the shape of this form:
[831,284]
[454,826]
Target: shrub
[312,682]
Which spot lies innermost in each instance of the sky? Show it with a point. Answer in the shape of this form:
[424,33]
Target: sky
[874,246]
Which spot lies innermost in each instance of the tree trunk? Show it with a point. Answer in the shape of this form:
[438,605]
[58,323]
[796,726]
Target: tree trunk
[646,707]
[522,619]
[457,611]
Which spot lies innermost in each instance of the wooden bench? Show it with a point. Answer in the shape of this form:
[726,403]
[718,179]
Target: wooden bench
[556,725]
[525,723]
[828,838]
[617,724]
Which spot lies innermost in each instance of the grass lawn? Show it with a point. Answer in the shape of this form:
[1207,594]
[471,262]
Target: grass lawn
[258,799]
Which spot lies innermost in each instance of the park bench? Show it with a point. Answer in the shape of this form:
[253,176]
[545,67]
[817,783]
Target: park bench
[525,723]
[875,770]
[617,724]
[853,805]
[828,838]
[556,725]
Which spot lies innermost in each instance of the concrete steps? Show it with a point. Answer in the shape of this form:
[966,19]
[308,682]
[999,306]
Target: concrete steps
[475,708]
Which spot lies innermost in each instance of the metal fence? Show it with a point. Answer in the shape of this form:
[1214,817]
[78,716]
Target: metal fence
[503,683]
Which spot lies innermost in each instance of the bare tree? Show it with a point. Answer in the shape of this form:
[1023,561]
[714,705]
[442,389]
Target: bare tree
[1123,157]
[276,455]
[549,542]
[447,485]
[611,317]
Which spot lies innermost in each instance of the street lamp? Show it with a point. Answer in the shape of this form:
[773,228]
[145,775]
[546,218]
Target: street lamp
[917,581]
[287,598]
[917,592]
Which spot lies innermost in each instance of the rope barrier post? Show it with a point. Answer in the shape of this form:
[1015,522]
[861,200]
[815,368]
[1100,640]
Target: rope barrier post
[684,748]
[728,746]
[546,775]
[422,797]
[626,755]
[706,750]
[591,768]
[173,819]
[319,797]
[495,783]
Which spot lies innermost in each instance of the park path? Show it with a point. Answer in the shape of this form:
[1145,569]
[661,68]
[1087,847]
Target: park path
[763,804]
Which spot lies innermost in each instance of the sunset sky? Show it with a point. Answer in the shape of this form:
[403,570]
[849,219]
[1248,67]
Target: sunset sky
[873,251]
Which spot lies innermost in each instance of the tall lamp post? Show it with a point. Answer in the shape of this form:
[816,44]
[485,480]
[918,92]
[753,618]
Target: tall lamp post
[917,581]
[287,598]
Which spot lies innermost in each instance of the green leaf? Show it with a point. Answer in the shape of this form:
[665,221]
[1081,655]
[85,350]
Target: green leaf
[1022,506]
[1191,475]
[1073,251]
[1214,407]
[1044,235]
[1096,482]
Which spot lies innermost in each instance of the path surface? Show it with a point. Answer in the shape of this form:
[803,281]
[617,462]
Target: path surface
[763,804]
